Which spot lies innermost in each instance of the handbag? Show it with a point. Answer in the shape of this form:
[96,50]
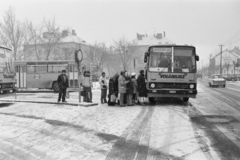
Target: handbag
[83,93]
[113,98]
[67,94]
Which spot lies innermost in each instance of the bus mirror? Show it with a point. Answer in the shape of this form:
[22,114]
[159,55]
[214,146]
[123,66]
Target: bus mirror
[197,58]
[146,57]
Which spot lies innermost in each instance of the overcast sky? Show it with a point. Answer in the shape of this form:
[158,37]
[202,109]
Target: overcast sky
[204,24]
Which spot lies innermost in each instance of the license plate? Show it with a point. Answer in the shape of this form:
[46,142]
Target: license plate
[172,91]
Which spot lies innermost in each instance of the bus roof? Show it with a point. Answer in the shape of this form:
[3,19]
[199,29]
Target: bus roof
[4,47]
[45,61]
[170,45]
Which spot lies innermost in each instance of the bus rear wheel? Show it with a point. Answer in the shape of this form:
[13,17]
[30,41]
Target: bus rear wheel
[185,99]
[152,100]
[55,87]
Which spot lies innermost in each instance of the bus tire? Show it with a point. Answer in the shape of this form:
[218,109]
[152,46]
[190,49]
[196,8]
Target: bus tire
[185,99]
[55,87]
[152,100]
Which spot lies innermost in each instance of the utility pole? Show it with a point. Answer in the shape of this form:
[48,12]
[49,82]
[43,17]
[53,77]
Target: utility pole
[221,60]
[209,68]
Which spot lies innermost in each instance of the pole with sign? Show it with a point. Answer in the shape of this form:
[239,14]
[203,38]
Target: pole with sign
[78,60]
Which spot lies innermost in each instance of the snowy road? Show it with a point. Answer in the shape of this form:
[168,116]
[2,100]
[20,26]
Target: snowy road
[162,131]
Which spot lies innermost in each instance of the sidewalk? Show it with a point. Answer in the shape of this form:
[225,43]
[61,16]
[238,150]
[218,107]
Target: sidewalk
[51,98]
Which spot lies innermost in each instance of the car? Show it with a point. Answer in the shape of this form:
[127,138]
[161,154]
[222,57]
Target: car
[217,80]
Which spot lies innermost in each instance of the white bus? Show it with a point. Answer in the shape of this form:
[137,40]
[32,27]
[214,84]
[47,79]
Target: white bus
[7,73]
[44,74]
[171,71]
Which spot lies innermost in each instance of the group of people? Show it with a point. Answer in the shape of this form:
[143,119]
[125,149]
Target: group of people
[124,89]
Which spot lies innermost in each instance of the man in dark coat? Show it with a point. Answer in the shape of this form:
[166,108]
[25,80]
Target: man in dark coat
[142,90]
[111,91]
[63,85]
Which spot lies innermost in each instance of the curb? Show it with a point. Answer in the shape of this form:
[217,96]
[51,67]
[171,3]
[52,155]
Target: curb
[71,104]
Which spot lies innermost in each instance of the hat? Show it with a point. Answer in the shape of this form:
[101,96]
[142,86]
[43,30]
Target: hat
[133,74]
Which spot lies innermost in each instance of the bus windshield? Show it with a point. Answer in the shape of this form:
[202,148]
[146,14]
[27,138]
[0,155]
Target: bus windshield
[178,60]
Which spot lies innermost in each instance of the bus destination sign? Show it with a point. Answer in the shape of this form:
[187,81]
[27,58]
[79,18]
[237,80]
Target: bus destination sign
[162,50]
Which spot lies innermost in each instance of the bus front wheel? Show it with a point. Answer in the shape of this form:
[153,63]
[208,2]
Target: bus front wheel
[185,99]
[152,100]
[55,87]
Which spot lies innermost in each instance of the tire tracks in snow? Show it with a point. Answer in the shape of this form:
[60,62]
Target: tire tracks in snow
[134,141]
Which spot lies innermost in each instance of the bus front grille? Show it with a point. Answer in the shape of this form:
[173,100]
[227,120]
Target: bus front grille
[172,85]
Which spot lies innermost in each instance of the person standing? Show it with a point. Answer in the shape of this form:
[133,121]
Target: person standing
[103,84]
[111,92]
[130,89]
[135,87]
[63,85]
[122,87]
[142,90]
[87,85]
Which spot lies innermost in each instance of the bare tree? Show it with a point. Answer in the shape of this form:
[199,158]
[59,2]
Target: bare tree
[11,31]
[98,55]
[52,36]
[126,51]
[227,65]
[33,37]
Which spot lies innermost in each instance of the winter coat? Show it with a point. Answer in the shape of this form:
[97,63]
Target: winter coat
[115,84]
[130,86]
[122,84]
[61,83]
[135,85]
[142,90]
[103,82]
[111,87]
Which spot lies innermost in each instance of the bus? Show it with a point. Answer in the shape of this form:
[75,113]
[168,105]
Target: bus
[7,73]
[44,74]
[171,71]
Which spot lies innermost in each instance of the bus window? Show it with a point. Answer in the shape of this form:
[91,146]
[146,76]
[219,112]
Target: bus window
[57,68]
[184,60]
[41,68]
[31,67]
[160,60]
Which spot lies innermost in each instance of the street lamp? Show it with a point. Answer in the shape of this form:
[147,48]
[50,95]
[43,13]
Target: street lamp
[78,60]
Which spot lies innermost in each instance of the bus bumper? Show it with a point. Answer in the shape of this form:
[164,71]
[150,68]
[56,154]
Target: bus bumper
[172,93]
[7,91]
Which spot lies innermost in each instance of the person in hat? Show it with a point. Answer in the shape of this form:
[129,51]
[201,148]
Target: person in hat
[63,85]
[87,86]
[142,90]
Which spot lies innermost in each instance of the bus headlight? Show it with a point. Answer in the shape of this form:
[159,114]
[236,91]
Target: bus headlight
[191,86]
[152,85]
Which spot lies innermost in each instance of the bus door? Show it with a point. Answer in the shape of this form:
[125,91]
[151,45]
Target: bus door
[21,75]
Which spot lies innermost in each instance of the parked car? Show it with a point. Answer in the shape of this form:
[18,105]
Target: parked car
[230,77]
[217,80]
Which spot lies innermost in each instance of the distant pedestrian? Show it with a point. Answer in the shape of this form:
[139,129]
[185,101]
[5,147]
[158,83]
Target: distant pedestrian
[122,87]
[63,85]
[103,84]
[142,90]
[87,86]
[115,84]
[135,87]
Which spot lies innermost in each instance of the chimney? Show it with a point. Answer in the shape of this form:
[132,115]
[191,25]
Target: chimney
[74,32]
[164,35]
[159,36]
[64,33]
[139,36]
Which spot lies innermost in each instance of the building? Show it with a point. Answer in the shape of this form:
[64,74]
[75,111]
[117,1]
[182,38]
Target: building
[54,46]
[142,44]
[230,62]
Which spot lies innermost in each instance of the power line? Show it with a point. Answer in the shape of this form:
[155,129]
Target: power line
[233,37]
